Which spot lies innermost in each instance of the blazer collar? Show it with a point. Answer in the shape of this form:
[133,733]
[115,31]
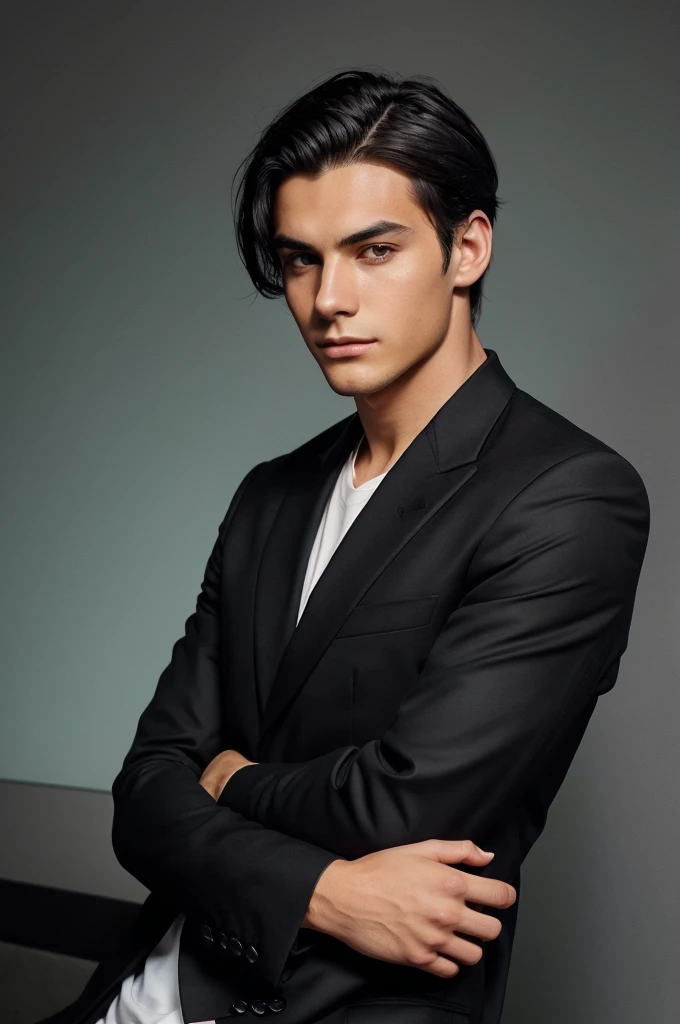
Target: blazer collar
[439,460]
[460,426]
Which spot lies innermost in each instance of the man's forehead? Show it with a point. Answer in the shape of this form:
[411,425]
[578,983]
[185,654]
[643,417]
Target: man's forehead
[342,201]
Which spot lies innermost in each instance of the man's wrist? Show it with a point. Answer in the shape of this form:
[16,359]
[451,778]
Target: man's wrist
[324,913]
[221,770]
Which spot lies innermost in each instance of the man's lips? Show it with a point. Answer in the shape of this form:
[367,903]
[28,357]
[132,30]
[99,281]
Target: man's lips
[347,346]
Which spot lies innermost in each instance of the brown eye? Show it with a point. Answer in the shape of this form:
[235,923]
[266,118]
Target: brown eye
[387,251]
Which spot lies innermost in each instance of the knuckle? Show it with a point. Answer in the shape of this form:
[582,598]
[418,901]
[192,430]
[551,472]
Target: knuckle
[440,916]
[455,923]
[455,884]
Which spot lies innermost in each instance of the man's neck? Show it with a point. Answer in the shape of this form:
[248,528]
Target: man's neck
[391,423]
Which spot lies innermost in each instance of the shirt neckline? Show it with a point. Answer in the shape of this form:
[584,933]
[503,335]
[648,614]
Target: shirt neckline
[368,485]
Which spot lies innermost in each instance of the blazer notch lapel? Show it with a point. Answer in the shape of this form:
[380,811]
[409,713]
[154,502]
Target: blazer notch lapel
[395,512]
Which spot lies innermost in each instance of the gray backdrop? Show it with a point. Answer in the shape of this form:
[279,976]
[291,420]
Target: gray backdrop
[141,380]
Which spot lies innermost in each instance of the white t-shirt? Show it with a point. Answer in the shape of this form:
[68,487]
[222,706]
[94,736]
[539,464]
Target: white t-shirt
[153,996]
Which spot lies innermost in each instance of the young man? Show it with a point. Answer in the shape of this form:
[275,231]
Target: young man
[404,624]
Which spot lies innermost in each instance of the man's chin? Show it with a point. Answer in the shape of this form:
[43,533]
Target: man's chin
[350,386]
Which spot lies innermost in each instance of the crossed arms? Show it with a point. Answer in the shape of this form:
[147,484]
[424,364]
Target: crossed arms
[544,621]
[547,613]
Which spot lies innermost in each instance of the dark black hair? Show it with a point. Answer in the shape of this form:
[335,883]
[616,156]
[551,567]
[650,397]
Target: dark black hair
[360,115]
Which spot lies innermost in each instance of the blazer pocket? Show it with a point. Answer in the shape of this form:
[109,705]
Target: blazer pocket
[389,615]
[398,1012]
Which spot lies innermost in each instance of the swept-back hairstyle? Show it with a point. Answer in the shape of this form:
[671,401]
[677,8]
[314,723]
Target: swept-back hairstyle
[360,115]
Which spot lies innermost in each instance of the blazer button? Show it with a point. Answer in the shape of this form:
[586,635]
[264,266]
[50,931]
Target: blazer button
[240,1006]
[251,954]
[223,940]
[277,1004]
[235,946]
[207,933]
[259,1007]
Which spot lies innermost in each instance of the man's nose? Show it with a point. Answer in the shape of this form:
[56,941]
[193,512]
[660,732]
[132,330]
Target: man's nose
[338,292]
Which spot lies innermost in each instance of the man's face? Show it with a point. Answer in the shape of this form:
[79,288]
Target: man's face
[387,288]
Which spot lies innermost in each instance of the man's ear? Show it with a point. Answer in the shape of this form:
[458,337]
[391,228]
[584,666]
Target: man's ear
[473,240]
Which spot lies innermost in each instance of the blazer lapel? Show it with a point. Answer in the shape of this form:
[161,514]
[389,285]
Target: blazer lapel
[283,564]
[439,460]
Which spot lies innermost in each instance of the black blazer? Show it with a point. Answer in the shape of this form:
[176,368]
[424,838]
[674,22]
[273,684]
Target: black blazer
[437,685]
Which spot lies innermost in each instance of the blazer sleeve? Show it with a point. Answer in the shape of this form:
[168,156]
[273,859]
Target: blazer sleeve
[547,609]
[238,876]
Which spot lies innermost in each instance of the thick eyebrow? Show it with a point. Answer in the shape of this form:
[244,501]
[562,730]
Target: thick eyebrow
[381,227]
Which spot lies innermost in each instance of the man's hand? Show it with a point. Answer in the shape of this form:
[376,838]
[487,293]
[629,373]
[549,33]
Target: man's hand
[221,769]
[407,905]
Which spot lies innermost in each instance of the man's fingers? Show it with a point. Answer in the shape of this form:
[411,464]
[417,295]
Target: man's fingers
[462,949]
[456,851]
[490,892]
[479,925]
[440,967]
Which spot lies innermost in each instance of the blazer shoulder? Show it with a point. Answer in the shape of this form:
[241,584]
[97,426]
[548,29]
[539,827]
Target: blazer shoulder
[545,437]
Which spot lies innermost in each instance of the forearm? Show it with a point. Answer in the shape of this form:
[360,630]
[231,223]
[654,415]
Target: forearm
[303,798]
[354,801]
[234,874]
